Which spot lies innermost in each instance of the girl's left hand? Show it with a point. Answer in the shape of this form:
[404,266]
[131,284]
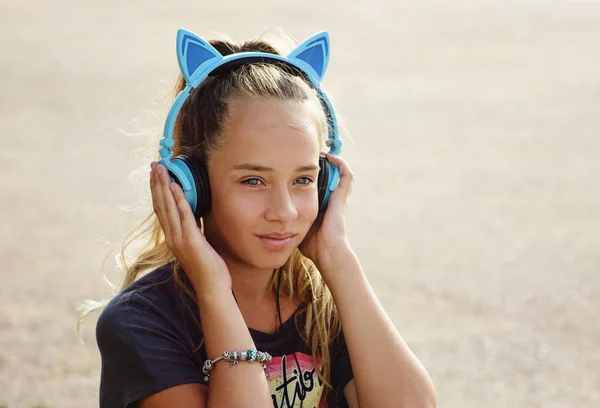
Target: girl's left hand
[326,244]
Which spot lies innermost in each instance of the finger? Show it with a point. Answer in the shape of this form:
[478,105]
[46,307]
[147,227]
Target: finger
[158,203]
[344,186]
[316,226]
[189,227]
[171,211]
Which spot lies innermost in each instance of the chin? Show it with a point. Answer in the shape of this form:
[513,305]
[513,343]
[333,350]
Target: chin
[265,259]
[271,261]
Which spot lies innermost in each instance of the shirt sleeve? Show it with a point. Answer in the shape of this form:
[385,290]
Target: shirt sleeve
[141,353]
[341,368]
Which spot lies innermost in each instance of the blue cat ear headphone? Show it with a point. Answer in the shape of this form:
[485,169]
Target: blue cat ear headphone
[197,60]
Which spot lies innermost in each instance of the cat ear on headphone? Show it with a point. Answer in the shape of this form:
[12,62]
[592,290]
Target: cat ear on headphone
[313,55]
[194,54]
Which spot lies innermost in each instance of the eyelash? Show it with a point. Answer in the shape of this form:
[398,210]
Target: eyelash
[247,182]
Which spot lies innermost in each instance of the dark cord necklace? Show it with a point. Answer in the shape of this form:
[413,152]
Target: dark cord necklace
[278,271]
[281,325]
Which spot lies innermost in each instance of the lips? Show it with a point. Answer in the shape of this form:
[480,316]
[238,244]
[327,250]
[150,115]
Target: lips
[277,241]
[276,235]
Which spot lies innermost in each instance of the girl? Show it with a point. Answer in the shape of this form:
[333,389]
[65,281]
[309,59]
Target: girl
[254,297]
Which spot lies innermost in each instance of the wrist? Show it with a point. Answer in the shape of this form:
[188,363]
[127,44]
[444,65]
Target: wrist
[347,279]
[336,259]
[216,297]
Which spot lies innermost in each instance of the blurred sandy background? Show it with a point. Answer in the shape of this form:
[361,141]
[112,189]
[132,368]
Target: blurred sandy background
[476,207]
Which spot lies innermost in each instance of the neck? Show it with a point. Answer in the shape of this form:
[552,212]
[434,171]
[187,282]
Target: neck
[251,286]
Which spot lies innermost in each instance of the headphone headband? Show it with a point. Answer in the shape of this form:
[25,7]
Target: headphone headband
[198,60]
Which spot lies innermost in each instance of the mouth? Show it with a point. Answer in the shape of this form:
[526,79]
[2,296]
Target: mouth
[276,241]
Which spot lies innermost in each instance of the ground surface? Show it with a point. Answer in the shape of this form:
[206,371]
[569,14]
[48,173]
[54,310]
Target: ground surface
[476,207]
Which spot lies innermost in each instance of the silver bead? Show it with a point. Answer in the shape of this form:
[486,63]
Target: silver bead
[243,355]
[227,355]
[208,365]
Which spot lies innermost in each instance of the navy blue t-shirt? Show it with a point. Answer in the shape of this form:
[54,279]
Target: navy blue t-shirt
[149,341]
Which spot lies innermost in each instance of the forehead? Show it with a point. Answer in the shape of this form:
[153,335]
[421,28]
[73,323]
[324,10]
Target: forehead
[269,131]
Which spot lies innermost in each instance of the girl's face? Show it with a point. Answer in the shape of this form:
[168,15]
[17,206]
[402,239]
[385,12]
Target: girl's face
[263,182]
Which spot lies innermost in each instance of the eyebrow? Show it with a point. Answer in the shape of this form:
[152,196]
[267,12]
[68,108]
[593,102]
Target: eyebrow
[259,168]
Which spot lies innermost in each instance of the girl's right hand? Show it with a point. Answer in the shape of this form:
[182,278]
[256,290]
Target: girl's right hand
[204,267]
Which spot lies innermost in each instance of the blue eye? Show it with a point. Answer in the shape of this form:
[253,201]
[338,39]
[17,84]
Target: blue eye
[307,180]
[253,182]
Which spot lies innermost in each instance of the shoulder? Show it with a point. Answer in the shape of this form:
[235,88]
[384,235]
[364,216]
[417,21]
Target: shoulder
[153,302]
[146,341]
[157,285]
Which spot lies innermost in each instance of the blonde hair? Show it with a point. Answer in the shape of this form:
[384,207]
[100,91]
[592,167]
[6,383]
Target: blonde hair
[197,134]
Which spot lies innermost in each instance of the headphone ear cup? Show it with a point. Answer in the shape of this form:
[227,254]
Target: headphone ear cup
[200,175]
[323,180]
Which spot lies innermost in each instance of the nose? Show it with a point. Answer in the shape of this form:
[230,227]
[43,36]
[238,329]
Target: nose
[280,206]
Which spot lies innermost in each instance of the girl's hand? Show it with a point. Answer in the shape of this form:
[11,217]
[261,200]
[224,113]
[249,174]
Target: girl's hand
[326,243]
[202,264]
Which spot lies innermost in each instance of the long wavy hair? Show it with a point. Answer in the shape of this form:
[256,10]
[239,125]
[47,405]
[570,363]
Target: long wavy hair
[197,133]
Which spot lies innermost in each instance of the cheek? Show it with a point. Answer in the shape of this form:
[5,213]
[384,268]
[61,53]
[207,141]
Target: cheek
[308,209]
[236,212]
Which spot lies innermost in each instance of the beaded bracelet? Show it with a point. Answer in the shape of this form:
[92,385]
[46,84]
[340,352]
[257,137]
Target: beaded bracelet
[234,357]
